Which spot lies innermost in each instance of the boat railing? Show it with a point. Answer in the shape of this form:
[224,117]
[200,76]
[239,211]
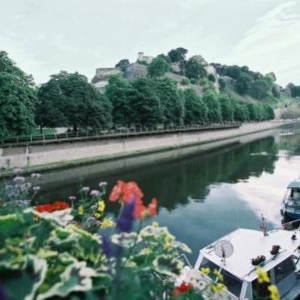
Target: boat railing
[185,259]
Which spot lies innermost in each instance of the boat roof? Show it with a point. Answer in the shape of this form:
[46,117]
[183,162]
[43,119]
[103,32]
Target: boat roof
[294,184]
[248,244]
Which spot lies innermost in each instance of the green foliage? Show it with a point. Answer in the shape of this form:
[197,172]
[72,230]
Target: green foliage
[295,91]
[222,84]
[121,94]
[227,108]
[170,100]
[17,99]
[185,81]
[146,105]
[259,89]
[195,108]
[123,64]
[194,67]
[158,67]
[243,84]
[211,77]
[177,55]
[42,258]
[214,114]
[67,99]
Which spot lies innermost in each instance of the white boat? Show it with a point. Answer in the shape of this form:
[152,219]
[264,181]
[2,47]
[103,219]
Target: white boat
[290,207]
[232,257]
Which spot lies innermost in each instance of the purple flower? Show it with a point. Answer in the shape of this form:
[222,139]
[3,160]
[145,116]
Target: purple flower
[85,189]
[95,193]
[17,171]
[126,218]
[72,198]
[102,184]
[106,246]
[19,179]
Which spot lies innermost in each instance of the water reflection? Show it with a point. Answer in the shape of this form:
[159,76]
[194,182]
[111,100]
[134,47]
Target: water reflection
[204,196]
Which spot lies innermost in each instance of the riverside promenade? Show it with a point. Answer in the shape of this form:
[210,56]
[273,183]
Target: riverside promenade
[46,156]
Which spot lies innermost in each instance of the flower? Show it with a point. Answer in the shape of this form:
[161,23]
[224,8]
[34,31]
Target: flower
[218,275]
[51,207]
[218,287]
[101,206]
[262,275]
[95,193]
[85,189]
[126,218]
[183,288]
[72,198]
[125,192]
[36,188]
[106,246]
[36,175]
[80,210]
[141,211]
[107,223]
[274,292]
[205,271]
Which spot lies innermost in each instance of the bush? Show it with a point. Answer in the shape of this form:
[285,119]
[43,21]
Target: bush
[185,81]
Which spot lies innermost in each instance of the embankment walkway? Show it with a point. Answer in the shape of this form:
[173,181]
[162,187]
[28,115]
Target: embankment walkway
[44,156]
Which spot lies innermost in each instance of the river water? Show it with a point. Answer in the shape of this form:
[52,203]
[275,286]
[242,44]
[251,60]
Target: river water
[203,196]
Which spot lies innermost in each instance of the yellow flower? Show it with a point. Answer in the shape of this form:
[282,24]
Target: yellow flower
[205,271]
[107,223]
[274,292]
[97,215]
[154,224]
[218,275]
[80,210]
[262,275]
[101,206]
[219,287]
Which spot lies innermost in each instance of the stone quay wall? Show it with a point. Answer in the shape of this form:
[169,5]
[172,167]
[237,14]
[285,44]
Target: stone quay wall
[64,154]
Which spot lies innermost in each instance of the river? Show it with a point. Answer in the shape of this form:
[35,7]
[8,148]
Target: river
[202,196]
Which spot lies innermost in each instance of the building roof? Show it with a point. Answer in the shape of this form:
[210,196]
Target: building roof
[248,244]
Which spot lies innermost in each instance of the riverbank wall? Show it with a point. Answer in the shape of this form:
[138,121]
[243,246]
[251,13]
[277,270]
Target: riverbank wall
[38,157]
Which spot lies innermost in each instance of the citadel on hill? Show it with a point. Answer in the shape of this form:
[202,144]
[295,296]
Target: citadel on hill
[139,69]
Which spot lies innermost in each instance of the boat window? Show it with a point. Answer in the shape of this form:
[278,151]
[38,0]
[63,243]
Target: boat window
[260,290]
[233,284]
[212,267]
[284,269]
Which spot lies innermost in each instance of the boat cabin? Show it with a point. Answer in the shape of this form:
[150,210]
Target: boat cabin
[233,260]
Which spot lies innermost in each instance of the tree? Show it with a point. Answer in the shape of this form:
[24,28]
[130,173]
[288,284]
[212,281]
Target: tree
[243,83]
[211,77]
[195,68]
[259,89]
[171,101]
[241,113]
[214,109]
[195,109]
[227,108]
[222,84]
[158,67]
[177,55]
[120,93]
[122,65]
[146,106]
[79,104]
[17,99]
[254,112]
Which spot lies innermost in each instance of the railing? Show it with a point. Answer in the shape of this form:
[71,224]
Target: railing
[104,134]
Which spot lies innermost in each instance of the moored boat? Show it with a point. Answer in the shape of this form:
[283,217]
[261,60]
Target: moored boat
[236,257]
[290,207]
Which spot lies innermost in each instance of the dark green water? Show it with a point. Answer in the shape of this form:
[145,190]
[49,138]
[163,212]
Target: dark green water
[204,196]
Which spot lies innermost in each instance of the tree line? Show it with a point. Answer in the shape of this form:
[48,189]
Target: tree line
[69,100]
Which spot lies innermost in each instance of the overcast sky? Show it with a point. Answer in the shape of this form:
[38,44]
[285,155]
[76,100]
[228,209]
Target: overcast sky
[46,36]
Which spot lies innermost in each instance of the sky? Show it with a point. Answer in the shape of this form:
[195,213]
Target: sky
[46,36]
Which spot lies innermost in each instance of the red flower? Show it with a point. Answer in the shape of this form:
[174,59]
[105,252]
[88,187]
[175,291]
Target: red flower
[141,211]
[125,192]
[183,288]
[52,207]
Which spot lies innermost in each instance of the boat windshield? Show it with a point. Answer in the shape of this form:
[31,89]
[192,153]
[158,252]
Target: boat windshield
[232,283]
[284,269]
